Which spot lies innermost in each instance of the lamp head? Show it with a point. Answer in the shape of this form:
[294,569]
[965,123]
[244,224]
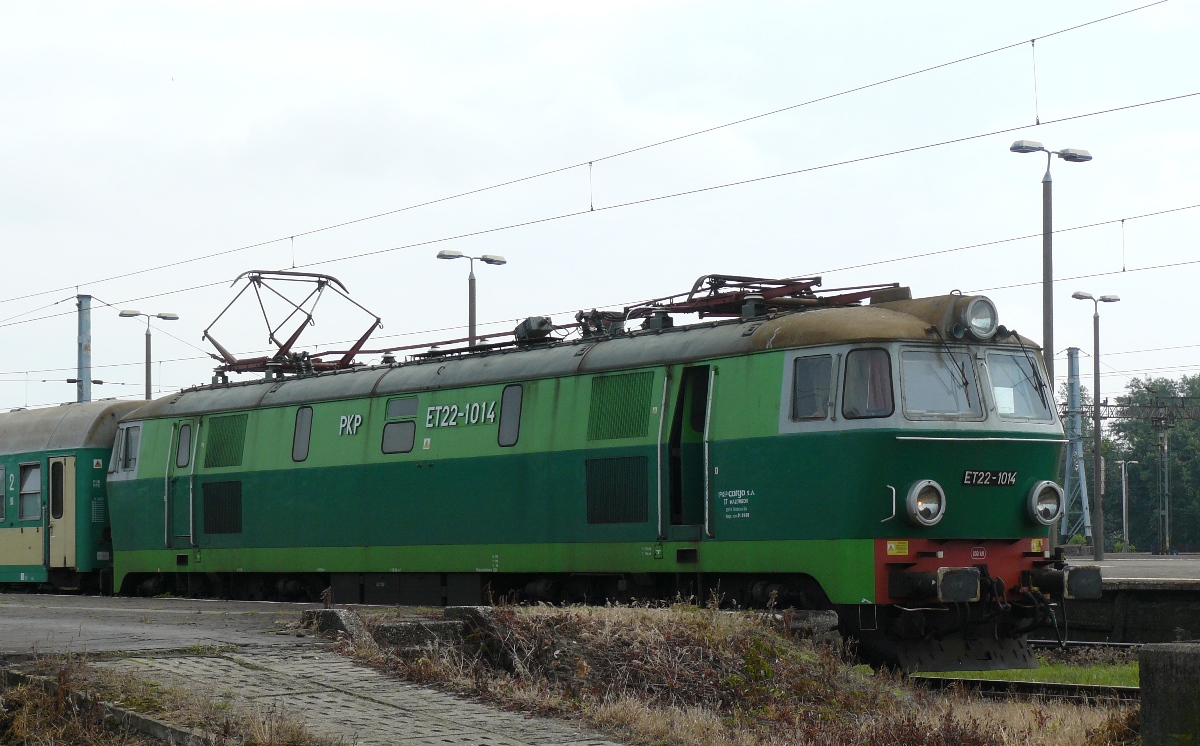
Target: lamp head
[493,259]
[448,254]
[1130,463]
[1109,298]
[1074,155]
[1027,146]
[129,313]
[1080,295]
[167,316]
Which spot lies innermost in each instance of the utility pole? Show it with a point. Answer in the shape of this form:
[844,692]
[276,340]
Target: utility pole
[83,375]
[1048,275]
[1097,455]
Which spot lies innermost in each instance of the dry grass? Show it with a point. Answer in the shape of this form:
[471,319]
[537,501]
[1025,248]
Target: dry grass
[30,715]
[228,722]
[688,676]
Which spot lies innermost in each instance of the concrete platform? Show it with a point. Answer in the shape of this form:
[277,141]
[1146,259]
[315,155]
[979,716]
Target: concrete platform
[1147,570]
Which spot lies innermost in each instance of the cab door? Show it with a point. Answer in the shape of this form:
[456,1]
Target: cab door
[688,449]
[181,487]
[62,511]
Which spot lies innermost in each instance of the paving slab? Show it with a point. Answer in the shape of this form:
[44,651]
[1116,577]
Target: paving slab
[262,662]
[338,698]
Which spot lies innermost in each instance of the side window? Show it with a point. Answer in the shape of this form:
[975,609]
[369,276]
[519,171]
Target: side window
[183,448]
[868,390]
[811,380]
[398,437]
[129,448]
[30,507]
[3,493]
[302,435]
[56,490]
[510,415]
[406,407]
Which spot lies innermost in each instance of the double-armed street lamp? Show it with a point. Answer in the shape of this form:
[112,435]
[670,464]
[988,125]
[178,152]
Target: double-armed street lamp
[1070,155]
[129,314]
[1097,458]
[1125,503]
[486,259]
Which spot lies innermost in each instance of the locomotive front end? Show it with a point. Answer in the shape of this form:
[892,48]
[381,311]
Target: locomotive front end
[964,567]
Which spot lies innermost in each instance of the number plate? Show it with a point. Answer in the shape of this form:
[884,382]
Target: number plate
[990,478]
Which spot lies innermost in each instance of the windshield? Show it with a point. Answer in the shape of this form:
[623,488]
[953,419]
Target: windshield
[939,385]
[1017,387]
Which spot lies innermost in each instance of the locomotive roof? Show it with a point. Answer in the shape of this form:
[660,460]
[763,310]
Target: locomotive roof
[86,425]
[891,321]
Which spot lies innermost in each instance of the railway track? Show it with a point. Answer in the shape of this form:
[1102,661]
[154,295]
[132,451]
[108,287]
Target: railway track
[1029,689]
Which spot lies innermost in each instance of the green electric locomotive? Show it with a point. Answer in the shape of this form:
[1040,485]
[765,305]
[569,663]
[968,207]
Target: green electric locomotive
[894,461]
[54,529]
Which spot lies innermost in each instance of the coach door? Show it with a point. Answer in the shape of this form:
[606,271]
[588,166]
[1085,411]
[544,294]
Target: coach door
[181,485]
[689,433]
[62,511]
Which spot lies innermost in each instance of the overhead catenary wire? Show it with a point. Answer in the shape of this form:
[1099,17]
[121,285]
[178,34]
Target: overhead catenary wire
[589,163]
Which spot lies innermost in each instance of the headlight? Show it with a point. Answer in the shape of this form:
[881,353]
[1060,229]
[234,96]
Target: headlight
[926,503]
[979,318]
[1046,503]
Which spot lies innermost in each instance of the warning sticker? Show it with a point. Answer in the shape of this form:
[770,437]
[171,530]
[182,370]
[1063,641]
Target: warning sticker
[897,548]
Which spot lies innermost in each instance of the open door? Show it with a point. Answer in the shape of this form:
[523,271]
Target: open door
[181,486]
[62,512]
[689,429]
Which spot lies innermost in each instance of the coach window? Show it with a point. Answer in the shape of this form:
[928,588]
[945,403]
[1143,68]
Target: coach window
[302,435]
[398,437]
[811,377]
[510,415]
[129,448]
[868,390]
[30,507]
[183,448]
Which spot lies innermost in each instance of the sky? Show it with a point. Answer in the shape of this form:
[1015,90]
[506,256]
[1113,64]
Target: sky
[136,135]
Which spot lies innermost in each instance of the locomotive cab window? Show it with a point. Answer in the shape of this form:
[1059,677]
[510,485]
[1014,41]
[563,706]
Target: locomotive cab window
[302,435]
[939,385]
[868,389]
[811,387]
[510,416]
[1018,387]
[30,500]
[130,438]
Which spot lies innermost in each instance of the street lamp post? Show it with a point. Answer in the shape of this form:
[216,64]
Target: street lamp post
[1125,504]
[1070,155]
[1097,458]
[486,259]
[129,314]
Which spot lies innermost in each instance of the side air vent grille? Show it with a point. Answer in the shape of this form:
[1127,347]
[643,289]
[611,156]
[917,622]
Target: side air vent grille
[617,489]
[620,406]
[222,507]
[226,440]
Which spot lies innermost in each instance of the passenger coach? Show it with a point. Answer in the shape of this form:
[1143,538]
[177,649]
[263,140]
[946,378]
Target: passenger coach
[54,528]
